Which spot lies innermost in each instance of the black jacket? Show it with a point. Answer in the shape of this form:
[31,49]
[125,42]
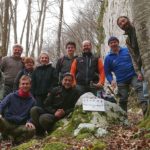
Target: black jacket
[61,98]
[43,79]
[87,69]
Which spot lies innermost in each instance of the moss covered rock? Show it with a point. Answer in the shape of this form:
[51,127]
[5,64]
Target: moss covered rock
[56,146]
[26,145]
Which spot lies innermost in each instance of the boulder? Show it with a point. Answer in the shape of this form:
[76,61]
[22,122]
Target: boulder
[95,123]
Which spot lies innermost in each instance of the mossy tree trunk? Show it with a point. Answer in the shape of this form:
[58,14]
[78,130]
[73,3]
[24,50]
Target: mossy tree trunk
[141,17]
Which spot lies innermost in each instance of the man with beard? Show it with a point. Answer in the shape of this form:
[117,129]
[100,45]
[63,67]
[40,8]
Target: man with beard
[88,70]
[119,62]
[58,104]
[10,66]
[132,44]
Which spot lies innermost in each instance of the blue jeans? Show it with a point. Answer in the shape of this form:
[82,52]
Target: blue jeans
[123,91]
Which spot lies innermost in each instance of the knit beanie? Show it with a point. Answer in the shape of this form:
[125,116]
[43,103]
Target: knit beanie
[113,38]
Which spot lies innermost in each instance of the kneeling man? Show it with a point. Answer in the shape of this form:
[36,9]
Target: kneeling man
[15,112]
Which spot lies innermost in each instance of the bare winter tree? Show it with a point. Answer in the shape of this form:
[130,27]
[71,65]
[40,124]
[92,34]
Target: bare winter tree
[36,37]
[28,26]
[141,14]
[5,27]
[60,28]
[13,10]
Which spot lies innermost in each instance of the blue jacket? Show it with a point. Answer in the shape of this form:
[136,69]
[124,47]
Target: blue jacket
[120,64]
[16,109]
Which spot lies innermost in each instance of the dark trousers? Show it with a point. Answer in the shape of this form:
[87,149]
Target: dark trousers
[42,120]
[18,132]
[40,100]
[123,89]
[86,88]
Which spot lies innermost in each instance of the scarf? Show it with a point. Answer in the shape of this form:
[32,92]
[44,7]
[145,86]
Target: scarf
[23,94]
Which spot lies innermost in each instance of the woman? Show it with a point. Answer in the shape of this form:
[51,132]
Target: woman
[27,70]
[43,79]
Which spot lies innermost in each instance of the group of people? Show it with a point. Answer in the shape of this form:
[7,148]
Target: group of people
[36,97]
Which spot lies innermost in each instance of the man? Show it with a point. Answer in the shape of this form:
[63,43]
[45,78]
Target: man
[87,70]
[119,62]
[10,67]
[132,44]
[59,104]
[64,64]
[15,112]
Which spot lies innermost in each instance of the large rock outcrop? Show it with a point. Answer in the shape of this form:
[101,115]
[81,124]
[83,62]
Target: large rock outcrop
[114,9]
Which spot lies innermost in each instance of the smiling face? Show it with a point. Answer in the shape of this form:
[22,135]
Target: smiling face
[25,85]
[17,51]
[44,59]
[29,65]
[70,49]
[124,23]
[67,82]
[86,46]
[114,45]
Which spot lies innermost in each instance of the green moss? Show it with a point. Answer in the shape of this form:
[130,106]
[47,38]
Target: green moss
[99,146]
[78,116]
[86,133]
[145,123]
[58,124]
[147,136]
[87,130]
[56,146]
[83,136]
[25,146]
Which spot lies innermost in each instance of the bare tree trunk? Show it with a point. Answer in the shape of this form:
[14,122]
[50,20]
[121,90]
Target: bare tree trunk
[22,33]
[60,28]
[141,12]
[28,27]
[13,10]
[37,28]
[5,27]
[42,29]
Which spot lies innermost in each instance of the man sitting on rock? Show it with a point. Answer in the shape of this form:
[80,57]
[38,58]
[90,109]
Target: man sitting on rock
[58,104]
[15,113]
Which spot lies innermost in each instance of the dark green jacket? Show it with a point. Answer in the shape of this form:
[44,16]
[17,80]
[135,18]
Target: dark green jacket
[43,79]
[61,98]
[133,47]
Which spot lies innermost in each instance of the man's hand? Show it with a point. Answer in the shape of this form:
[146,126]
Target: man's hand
[113,84]
[59,113]
[30,125]
[98,85]
[140,77]
[1,116]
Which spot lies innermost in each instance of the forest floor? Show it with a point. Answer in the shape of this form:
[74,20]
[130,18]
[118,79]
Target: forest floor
[128,137]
